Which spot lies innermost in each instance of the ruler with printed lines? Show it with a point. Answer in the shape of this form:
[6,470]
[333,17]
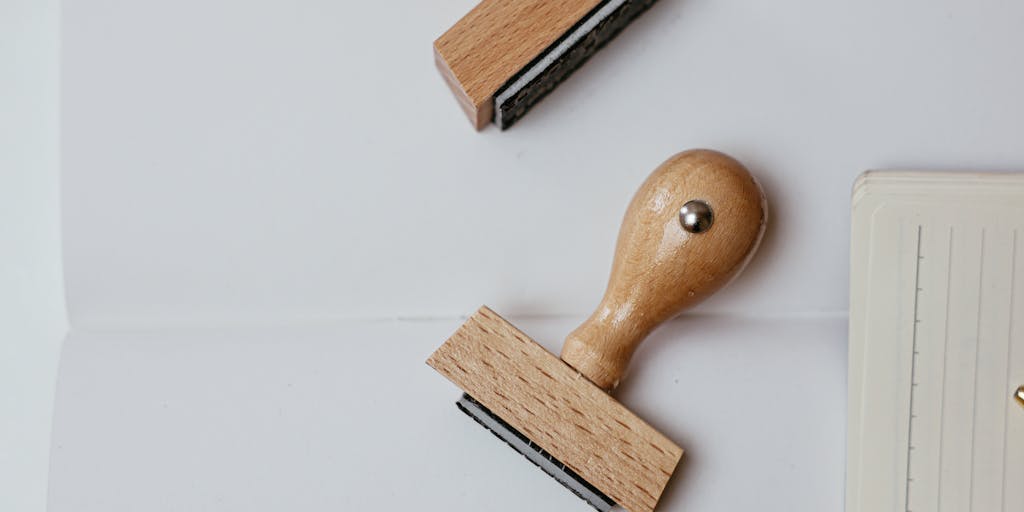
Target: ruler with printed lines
[936,343]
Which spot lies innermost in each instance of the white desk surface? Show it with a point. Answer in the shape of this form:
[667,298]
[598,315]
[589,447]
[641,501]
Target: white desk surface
[274,211]
[280,418]
[32,311]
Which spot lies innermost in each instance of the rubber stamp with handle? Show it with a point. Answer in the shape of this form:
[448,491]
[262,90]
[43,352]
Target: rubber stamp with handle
[691,228]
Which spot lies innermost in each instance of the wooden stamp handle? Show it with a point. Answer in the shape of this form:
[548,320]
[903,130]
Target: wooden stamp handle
[667,260]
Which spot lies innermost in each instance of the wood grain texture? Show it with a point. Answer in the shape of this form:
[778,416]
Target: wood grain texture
[494,41]
[559,410]
[661,269]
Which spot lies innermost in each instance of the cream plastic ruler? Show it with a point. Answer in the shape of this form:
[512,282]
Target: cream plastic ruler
[936,343]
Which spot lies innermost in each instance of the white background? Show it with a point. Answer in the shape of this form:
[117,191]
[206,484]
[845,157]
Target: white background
[274,211]
[240,159]
[32,316]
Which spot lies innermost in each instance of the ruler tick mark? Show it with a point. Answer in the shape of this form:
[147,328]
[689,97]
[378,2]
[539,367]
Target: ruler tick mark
[913,368]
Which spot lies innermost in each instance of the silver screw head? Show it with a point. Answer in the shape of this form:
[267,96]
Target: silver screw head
[696,216]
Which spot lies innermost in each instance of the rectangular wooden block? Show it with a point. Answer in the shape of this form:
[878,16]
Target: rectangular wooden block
[506,55]
[496,40]
[559,410]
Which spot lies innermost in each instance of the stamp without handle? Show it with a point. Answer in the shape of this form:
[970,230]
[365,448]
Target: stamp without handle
[505,55]
[691,228]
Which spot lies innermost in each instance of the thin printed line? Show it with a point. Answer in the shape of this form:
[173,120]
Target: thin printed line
[945,367]
[977,351]
[913,364]
[1009,353]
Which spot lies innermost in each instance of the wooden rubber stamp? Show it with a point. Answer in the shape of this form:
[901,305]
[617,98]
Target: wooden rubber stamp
[505,55]
[691,228]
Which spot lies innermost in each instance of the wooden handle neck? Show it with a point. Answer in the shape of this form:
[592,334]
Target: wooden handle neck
[598,346]
[665,264]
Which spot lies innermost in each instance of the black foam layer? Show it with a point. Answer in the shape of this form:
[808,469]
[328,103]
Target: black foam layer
[572,54]
[535,454]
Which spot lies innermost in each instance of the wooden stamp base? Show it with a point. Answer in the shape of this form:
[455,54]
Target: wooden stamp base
[559,409]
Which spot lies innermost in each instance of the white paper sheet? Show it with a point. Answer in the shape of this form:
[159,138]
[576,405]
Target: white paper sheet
[249,160]
[935,343]
[278,418]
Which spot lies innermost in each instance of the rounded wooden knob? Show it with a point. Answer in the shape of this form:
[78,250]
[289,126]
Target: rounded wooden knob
[691,228]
